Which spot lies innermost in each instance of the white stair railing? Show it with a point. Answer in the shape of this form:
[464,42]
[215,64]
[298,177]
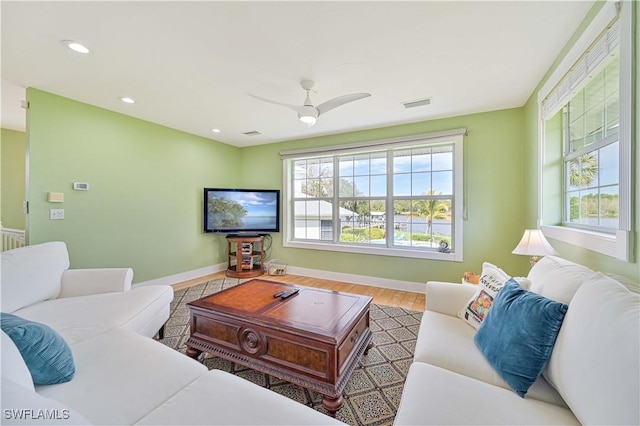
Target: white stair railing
[11,238]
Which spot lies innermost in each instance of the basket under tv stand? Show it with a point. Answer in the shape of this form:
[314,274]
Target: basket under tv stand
[245,255]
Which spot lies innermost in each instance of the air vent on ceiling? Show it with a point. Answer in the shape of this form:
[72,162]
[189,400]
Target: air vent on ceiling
[417,103]
[252,133]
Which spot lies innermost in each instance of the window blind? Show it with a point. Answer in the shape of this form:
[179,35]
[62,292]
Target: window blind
[589,64]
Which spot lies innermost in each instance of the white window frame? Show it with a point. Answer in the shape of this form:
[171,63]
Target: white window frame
[455,137]
[619,244]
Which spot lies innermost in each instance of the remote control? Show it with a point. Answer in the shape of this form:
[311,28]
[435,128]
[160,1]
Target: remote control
[279,294]
[289,293]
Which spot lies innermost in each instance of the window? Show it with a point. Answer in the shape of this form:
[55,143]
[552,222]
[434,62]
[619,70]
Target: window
[398,197]
[586,115]
[591,153]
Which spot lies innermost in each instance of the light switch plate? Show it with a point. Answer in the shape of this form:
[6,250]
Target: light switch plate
[56,214]
[55,197]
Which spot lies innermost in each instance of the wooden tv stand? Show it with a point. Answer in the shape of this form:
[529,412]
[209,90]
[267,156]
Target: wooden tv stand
[245,256]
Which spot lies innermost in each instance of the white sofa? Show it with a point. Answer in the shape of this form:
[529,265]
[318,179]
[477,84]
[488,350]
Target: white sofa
[122,376]
[592,377]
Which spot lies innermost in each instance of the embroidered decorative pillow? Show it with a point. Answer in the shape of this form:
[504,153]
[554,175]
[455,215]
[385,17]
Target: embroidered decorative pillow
[491,281]
[518,334]
[45,352]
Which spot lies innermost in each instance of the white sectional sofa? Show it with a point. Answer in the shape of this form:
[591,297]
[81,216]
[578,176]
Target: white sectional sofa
[122,376]
[592,376]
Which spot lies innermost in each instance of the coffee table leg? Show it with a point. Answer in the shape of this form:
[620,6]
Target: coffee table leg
[332,405]
[193,353]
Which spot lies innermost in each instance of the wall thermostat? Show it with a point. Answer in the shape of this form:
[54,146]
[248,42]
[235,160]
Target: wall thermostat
[80,186]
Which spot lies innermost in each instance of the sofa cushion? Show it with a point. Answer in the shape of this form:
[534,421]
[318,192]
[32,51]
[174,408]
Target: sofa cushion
[13,366]
[447,342]
[518,334]
[491,281]
[45,352]
[122,376]
[23,406]
[435,396]
[557,279]
[32,274]
[80,318]
[447,298]
[633,285]
[596,361]
[220,398]
[83,282]
[524,282]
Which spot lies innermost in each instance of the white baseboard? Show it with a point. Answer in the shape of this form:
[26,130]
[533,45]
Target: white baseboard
[184,276]
[411,286]
[415,287]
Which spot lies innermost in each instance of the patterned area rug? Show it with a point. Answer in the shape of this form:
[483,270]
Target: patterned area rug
[373,393]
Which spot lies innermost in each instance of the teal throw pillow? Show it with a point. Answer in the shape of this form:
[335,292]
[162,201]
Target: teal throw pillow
[45,352]
[518,334]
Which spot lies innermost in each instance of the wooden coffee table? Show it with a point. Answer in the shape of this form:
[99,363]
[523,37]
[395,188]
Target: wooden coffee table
[313,339]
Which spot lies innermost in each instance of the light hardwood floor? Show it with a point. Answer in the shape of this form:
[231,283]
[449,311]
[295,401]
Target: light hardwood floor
[381,296]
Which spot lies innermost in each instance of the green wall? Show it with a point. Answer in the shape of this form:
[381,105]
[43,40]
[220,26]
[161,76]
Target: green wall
[12,154]
[577,254]
[144,206]
[495,200]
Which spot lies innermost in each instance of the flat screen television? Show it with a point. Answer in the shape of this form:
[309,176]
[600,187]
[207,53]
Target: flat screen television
[243,211]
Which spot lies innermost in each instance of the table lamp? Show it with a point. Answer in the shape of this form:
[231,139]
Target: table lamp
[534,244]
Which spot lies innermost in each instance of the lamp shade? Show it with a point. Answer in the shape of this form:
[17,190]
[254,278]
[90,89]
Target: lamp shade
[533,243]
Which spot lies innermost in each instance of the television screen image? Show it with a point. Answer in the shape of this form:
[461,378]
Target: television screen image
[235,210]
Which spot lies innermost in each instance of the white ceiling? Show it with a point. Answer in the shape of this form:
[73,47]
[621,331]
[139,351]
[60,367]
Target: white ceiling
[190,65]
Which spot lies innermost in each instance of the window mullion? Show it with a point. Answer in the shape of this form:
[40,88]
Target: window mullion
[592,147]
[389,201]
[336,204]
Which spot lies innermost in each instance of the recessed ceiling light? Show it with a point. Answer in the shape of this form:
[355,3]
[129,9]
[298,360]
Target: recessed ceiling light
[127,100]
[216,130]
[75,46]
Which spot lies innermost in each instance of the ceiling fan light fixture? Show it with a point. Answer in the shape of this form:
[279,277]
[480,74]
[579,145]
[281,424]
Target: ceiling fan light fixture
[307,113]
[309,120]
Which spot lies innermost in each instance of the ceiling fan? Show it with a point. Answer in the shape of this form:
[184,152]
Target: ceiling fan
[308,113]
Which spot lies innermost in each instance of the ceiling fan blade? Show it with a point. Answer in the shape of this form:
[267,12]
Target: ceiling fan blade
[340,100]
[296,108]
